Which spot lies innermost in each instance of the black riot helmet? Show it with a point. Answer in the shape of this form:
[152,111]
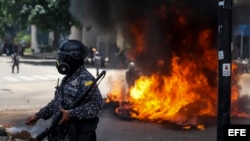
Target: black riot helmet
[70,56]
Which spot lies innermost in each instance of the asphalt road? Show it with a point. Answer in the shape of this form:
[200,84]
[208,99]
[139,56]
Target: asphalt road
[112,128]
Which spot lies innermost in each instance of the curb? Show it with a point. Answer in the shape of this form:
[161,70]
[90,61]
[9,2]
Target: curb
[39,59]
[38,62]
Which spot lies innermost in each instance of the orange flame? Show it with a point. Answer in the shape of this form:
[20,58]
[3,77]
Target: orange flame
[180,97]
[189,90]
[167,97]
[117,92]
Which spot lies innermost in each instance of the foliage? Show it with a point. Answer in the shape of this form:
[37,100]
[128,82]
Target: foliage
[47,15]
[23,38]
[10,18]
[50,15]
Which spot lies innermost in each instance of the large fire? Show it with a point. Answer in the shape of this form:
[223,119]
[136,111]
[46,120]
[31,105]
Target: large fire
[179,67]
[174,45]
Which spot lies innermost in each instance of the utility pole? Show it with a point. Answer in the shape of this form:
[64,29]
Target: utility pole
[224,65]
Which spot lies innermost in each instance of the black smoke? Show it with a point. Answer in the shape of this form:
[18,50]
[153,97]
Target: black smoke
[158,21]
[241,13]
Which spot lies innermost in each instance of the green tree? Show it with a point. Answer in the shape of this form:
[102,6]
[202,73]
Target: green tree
[47,15]
[50,15]
[23,38]
[10,18]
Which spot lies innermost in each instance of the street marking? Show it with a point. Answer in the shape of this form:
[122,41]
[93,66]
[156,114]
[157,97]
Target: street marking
[12,79]
[30,78]
[39,77]
[26,78]
[51,76]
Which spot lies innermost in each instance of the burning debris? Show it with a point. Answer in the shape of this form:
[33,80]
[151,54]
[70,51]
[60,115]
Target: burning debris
[174,44]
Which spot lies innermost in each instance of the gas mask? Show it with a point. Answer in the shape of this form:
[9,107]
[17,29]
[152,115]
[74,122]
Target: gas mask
[68,61]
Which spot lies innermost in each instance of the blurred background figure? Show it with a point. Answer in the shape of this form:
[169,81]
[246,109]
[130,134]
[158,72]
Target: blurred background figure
[245,65]
[92,55]
[97,62]
[15,62]
[132,74]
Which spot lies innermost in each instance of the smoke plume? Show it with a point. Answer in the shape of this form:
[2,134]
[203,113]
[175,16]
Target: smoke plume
[164,26]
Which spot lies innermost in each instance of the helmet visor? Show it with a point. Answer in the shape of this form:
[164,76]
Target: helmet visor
[74,54]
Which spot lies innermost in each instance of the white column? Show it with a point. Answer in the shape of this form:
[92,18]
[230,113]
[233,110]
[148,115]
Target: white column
[120,40]
[241,45]
[34,44]
[51,38]
[75,33]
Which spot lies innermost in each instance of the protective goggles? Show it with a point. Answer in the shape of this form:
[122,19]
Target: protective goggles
[76,55]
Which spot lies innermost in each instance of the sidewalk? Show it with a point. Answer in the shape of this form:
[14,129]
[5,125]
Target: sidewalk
[39,59]
[50,59]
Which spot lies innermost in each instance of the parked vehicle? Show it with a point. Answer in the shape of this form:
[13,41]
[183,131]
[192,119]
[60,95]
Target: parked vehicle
[6,48]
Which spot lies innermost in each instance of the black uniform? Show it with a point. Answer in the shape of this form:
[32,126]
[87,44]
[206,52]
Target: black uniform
[84,118]
[131,75]
[15,62]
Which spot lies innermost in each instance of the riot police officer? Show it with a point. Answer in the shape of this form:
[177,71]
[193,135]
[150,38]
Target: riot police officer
[132,74]
[79,123]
